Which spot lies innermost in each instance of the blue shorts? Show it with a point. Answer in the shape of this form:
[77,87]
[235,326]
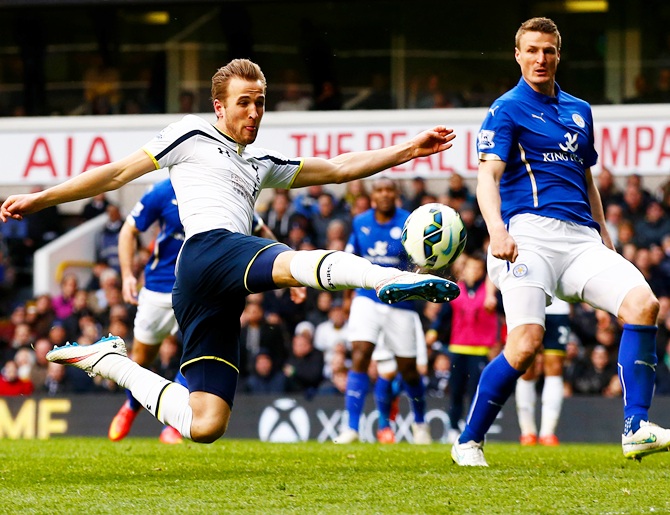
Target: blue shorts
[216,271]
[556,334]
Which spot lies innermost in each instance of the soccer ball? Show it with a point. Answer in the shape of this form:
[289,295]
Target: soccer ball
[433,236]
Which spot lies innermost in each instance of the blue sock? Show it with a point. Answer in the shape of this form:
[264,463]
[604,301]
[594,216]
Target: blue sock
[383,399]
[496,384]
[417,398]
[358,384]
[637,372]
[133,402]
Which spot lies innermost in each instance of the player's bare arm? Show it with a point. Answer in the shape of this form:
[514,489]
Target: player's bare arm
[104,178]
[127,248]
[597,210]
[502,244]
[358,165]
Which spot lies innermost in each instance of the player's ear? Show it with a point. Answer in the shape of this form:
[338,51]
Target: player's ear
[517,54]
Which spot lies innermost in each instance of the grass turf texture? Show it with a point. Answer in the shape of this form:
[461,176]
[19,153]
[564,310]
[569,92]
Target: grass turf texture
[93,475]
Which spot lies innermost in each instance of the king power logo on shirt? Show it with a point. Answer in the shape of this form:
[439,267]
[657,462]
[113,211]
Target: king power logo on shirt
[569,151]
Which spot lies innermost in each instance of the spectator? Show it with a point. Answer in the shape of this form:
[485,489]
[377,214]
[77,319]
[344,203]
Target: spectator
[23,338]
[319,221]
[293,99]
[63,303]
[43,226]
[475,227]
[634,207]
[418,191]
[107,242]
[265,378]
[438,378]
[281,215]
[56,381]
[613,219]
[256,334]
[8,326]
[655,224]
[337,234]
[319,309]
[41,315]
[167,361]
[376,96]
[328,98]
[25,360]
[306,203]
[609,192]
[96,206]
[79,309]
[10,382]
[332,333]
[458,192]
[596,376]
[304,367]
[187,102]
[38,373]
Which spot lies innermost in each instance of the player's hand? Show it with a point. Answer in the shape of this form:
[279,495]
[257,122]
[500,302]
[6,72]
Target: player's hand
[16,206]
[298,294]
[433,141]
[129,290]
[503,246]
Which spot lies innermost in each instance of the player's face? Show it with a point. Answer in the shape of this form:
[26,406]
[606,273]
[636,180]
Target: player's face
[538,56]
[239,114]
[384,197]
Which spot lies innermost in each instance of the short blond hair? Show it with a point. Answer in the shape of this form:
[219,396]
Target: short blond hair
[544,25]
[240,68]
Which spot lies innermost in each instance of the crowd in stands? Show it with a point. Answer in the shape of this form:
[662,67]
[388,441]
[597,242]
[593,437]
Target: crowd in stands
[303,348]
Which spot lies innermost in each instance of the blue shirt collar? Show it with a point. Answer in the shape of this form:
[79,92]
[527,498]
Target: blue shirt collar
[546,99]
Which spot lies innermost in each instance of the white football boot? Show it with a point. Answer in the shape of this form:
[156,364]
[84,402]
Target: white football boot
[347,435]
[408,285]
[649,439]
[89,357]
[421,434]
[469,454]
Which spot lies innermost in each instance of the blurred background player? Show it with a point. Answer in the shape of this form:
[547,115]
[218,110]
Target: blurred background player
[389,385]
[376,237]
[155,320]
[557,332]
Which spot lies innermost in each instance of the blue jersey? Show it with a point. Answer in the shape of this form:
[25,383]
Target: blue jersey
[159,204]
[379,244]
[547,144]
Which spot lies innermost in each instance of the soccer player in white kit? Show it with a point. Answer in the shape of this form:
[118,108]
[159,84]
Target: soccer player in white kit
[217,176]
[548,238]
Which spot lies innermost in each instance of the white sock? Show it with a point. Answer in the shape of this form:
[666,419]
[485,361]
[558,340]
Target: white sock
[526,398]
[552,402]
[165,400]
[335,270]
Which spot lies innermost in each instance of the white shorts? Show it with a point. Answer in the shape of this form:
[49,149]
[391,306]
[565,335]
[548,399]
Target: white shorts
[565,260]
[155,319]
[400,329]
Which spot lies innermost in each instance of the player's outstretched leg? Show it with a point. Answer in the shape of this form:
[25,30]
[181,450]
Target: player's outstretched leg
[334,270]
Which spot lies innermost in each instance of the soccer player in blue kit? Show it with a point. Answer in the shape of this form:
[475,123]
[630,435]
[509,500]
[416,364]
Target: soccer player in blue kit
[376,237]
[155,320]
[548,238]
[217,175]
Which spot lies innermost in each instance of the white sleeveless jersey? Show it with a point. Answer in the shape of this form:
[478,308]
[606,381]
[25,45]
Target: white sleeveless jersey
[216,180]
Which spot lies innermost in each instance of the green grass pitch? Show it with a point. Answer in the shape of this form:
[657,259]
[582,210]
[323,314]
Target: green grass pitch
[138,475]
